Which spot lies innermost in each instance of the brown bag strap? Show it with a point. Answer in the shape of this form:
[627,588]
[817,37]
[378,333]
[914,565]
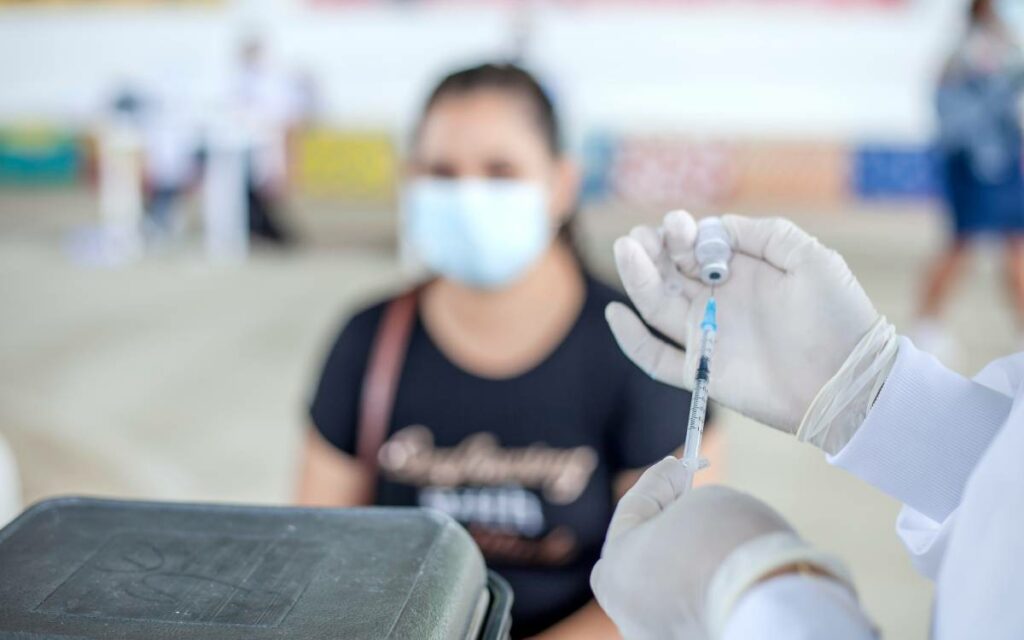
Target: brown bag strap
[380,380]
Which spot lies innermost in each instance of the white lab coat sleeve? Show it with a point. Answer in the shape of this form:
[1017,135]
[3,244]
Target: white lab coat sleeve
[925,434]
[979,586]
[798,607]
[924,538]
[926,441]
[1005,375]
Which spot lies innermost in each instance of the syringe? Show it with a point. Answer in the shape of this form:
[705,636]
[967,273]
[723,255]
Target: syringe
[699,397]
[713,251]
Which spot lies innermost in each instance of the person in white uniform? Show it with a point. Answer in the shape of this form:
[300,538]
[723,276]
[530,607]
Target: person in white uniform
[803,350]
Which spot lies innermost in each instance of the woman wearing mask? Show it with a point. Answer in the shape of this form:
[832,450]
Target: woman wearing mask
[495,392]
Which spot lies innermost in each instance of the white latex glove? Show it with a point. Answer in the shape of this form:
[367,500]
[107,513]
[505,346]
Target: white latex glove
[674,565]
[789,317]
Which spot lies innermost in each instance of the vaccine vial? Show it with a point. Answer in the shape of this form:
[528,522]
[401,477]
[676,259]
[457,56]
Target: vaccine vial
[713,251]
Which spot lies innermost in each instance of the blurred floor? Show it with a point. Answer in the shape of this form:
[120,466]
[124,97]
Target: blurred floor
[174,379]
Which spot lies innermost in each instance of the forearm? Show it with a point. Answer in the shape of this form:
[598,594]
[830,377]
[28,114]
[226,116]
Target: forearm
[328,477]
[925,433]
[588,623]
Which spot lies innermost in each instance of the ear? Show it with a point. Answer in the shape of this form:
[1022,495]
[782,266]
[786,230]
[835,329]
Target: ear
[565,189]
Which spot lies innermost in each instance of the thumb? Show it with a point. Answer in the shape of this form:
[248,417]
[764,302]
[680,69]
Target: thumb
[656,489]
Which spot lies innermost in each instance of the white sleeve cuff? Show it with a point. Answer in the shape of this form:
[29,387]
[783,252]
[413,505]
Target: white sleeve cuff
[925,433]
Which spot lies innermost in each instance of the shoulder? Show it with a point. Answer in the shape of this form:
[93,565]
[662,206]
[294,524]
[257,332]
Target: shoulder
[349,347]
[594,326]
[601,293]
[358,329]
[366,318]
[592,323]
[599,296]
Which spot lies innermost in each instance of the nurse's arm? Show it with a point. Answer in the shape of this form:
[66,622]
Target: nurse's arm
[925,433]
[329,477]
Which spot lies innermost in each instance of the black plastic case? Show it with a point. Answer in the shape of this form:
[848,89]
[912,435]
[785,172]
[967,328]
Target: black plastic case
[82,569]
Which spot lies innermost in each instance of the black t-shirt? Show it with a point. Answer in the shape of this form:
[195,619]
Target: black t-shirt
[525,463]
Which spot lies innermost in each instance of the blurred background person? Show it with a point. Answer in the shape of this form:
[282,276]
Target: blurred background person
[265,102]
[172,144]
[514,412]
[119,181]
[979,109]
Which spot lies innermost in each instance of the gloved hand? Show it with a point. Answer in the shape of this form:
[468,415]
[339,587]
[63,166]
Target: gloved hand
[674,565]
[790,317]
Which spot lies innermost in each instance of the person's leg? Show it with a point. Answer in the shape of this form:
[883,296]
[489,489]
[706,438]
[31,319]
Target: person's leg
[1015,275]
[257,215]
[262,217]
[928,332]
[161,205]
[964,206]
[273,230]
[942,276]
[1010,220]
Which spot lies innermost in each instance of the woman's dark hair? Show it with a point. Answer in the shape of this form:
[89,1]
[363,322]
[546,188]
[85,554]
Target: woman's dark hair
[503,77]
[980,10]
[520,83]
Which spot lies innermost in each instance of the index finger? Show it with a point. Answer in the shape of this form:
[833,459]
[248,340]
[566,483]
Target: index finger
[777,241]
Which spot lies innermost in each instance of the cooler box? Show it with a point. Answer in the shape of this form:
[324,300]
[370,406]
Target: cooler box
[83,569]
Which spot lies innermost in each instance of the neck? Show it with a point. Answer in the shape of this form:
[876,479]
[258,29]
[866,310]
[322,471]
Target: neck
[502,333]
[555,277]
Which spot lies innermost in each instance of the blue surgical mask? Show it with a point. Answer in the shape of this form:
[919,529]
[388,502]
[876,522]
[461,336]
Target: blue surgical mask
[481,233]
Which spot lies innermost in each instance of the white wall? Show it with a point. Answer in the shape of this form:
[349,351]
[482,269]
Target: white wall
[731,69]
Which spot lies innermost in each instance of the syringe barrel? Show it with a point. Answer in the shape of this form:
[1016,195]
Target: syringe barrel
[695,426]
[699,397]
